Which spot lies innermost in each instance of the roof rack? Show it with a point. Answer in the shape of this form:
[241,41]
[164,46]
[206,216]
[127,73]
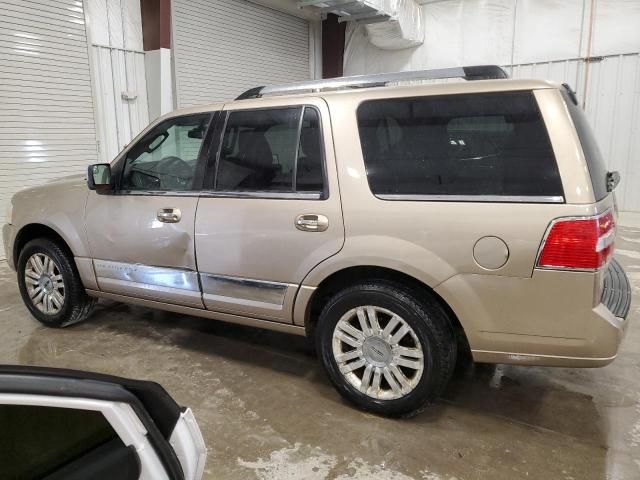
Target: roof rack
[480,72]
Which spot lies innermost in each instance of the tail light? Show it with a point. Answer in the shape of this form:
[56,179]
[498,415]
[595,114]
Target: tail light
[583,243]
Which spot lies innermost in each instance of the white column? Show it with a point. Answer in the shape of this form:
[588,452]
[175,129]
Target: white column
[159,82]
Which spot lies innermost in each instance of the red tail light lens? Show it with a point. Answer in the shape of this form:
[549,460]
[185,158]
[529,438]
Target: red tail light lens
[579,243]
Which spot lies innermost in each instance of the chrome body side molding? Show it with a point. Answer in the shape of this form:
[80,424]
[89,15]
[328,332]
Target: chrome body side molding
[160,283]
[472,198]
[222,293]
[244,291]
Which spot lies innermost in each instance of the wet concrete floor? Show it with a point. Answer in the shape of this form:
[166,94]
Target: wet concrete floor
[268,412]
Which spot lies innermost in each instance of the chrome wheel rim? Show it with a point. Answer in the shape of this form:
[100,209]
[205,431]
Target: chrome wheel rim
[377,352]
[44,282]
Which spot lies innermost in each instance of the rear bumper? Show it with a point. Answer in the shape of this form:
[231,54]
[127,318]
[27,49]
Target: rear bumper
[8,239]
[546,320]
[616,290]
[599,351]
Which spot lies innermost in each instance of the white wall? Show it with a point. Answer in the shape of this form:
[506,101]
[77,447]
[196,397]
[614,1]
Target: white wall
[47,126]
[114,29]
[546,39]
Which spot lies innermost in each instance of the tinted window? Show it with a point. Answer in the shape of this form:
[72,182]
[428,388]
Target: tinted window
[37,440]
[259,150]
[271,150]
[166,157]
[595,161]
[480,144]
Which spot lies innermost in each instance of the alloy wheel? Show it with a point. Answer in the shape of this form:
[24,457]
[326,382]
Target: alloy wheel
[378,352]
[45,285]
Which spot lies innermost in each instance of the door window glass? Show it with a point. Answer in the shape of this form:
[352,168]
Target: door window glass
[273,150]
[165,159]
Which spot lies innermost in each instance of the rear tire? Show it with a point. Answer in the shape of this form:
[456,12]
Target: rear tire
[50,285]
[387,349]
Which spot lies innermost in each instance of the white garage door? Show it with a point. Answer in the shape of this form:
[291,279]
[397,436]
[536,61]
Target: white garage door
[46,108]
[223,47]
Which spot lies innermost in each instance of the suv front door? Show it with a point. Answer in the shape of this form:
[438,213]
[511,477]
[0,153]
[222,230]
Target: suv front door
[271,210]
[141,235]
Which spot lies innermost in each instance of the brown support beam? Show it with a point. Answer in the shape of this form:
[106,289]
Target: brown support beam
[156,24]
[333,36]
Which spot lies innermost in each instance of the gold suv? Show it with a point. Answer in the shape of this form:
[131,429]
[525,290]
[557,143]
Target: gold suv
[399,226]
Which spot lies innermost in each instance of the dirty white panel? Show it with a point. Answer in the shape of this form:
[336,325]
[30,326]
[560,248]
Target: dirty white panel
[47,126]
[115,21]
[223,47]
[121,98]
[547,30]
[613,106]
[96,15]
[117,60]
[132,24]
[616,27]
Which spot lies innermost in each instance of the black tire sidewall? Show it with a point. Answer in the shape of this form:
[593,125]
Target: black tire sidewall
[69,277]
[423,320]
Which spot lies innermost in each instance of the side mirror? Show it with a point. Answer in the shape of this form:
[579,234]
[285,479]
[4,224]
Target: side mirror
[99,177]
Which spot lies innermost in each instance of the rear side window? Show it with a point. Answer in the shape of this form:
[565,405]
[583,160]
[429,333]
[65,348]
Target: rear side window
[595,161]
[272,150]
[459,145]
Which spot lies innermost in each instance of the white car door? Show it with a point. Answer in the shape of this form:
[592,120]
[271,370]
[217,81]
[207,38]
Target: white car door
[64,424]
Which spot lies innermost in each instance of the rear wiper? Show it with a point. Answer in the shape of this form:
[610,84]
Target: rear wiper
[613,179]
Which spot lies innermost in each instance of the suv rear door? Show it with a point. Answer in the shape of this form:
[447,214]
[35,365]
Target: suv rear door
[271,209]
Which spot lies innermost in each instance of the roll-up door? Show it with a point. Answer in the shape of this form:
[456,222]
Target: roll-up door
[47,126]
[223,47]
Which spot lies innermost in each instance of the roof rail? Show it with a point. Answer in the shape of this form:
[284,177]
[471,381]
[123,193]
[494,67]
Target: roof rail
[481,72]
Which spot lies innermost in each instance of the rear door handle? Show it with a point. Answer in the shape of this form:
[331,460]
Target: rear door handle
[311,222]
[169,215]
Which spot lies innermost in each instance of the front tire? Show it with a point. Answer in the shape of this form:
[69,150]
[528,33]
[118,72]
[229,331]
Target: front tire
[50,285]
[386,348]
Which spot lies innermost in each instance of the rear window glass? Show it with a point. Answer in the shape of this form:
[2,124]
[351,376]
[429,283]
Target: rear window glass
[592,154]
[458,145]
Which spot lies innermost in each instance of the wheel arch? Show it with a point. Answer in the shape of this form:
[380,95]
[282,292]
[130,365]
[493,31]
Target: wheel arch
[342,278]
[37,230]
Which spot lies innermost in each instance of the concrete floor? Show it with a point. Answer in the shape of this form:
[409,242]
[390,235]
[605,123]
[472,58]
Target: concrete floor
[268,412]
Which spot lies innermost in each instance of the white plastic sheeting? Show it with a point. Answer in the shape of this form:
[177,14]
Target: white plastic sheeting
[504,32]
[405,29]
[114,28]
[547,39]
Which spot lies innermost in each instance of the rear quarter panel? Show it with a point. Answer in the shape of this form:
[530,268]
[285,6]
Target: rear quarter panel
[434,243]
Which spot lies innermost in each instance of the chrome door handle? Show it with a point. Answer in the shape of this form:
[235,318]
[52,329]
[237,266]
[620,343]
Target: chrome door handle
[169,215]
[311,222]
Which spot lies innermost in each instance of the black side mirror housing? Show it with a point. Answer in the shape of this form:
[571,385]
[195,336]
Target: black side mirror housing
[99,177]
